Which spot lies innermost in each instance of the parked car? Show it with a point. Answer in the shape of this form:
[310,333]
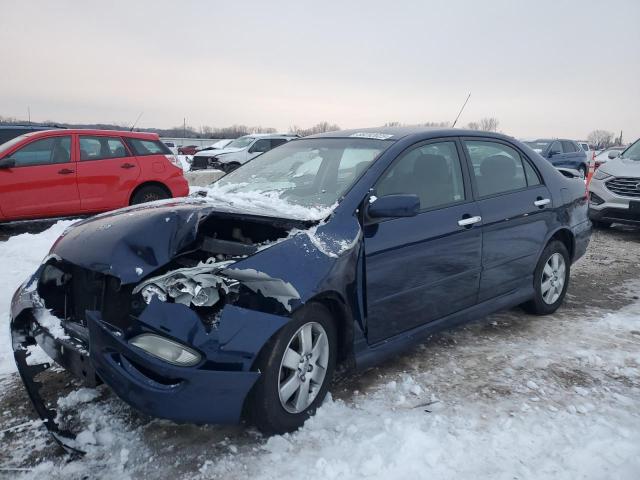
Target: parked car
[217,146]
[614,191]
[605,155]
[238,152]
[562,153]
[9,132]
[341,248]
[187,149]
[55,173]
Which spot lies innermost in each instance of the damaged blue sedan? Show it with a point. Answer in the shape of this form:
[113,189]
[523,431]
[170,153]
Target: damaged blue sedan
[339,249]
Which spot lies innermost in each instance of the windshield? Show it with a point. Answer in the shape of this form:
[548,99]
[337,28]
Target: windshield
[302,179]
[10,143]
[539,145]
[241,142]
[633,152]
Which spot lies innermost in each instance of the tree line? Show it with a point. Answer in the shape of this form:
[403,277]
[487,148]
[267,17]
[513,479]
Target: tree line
[597,138]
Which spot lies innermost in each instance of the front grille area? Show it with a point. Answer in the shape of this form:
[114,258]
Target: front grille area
[69,291]
[624,186]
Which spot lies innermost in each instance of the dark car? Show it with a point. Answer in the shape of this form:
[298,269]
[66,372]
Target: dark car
[9,132]
[562,153]
[341,248]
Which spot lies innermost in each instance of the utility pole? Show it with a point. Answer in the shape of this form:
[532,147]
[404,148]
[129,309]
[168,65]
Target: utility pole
[29,114]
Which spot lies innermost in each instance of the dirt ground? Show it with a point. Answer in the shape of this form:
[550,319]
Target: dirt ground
[606,279]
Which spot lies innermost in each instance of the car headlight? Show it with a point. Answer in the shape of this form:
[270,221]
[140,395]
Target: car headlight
[600,174]
[198,286]
[167,350]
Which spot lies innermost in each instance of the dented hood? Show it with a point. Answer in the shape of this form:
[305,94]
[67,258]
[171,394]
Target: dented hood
[134,242]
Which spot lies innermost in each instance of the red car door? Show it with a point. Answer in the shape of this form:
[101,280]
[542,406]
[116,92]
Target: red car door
[38,179]
[107,172]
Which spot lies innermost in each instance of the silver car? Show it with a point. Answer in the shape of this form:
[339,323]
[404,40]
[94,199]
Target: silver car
[614,191]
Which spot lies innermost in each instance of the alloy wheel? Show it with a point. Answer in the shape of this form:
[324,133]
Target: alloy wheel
[553,278]
[303,367]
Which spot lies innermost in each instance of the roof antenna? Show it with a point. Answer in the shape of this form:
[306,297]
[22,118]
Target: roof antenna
[134,123]
[460,112]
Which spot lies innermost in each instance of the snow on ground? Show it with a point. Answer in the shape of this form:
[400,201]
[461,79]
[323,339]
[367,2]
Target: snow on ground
[20,256]
[514,396]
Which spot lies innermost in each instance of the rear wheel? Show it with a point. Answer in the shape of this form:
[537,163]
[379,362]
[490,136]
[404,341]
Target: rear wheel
[150,193]
[296,368]
[599,224]
[550,279]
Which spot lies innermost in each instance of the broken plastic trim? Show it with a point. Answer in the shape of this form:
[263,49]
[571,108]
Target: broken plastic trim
[21,340]
[202,285]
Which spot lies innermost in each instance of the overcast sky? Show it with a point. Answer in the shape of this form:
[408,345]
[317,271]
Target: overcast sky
[543,68]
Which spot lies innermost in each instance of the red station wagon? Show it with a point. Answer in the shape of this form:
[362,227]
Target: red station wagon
[56,173]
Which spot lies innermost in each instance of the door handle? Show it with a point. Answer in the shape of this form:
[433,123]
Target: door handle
[466,222]
[65,171]
[541,202]
[127,165]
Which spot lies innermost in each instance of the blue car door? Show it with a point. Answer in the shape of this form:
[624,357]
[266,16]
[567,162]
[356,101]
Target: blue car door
[516,211]
[422,268]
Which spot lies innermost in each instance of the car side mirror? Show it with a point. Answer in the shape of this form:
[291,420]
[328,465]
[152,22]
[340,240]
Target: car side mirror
[7,163]
[613,154]
[552,153]
[400,205]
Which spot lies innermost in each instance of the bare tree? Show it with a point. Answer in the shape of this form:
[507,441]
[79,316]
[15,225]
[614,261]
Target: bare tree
[489,124]
[473,126]
[600,138]
[317,128]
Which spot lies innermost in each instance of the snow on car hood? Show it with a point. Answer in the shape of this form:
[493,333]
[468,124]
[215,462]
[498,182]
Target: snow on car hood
[219,151]
[622,167]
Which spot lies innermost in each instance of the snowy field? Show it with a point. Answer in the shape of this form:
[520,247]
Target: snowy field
[511,397]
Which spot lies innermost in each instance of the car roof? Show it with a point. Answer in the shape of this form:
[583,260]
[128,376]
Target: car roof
[91,131]
[396,133]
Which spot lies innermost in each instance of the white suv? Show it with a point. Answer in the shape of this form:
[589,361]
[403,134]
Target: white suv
[238,152]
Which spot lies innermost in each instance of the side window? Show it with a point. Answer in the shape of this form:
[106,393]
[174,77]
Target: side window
[497,167]
[556,147]
[147,147]
[263,145]
[432,172]
[277,141]
[44,152]
[568,147]
[532,176]
[99,148]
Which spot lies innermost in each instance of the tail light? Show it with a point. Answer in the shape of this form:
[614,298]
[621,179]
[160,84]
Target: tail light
[174,161]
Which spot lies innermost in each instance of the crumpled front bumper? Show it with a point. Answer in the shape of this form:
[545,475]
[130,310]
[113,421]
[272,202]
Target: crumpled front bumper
[213,391]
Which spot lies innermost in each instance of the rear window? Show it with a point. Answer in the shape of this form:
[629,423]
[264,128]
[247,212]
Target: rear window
[148,147]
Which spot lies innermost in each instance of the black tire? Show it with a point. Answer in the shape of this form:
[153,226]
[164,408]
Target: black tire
[150,193]
[537,305]
[264,408]
[230,167]
[599,224]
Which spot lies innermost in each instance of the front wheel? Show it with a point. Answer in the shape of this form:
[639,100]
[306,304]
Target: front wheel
[296,369]
[550,279]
